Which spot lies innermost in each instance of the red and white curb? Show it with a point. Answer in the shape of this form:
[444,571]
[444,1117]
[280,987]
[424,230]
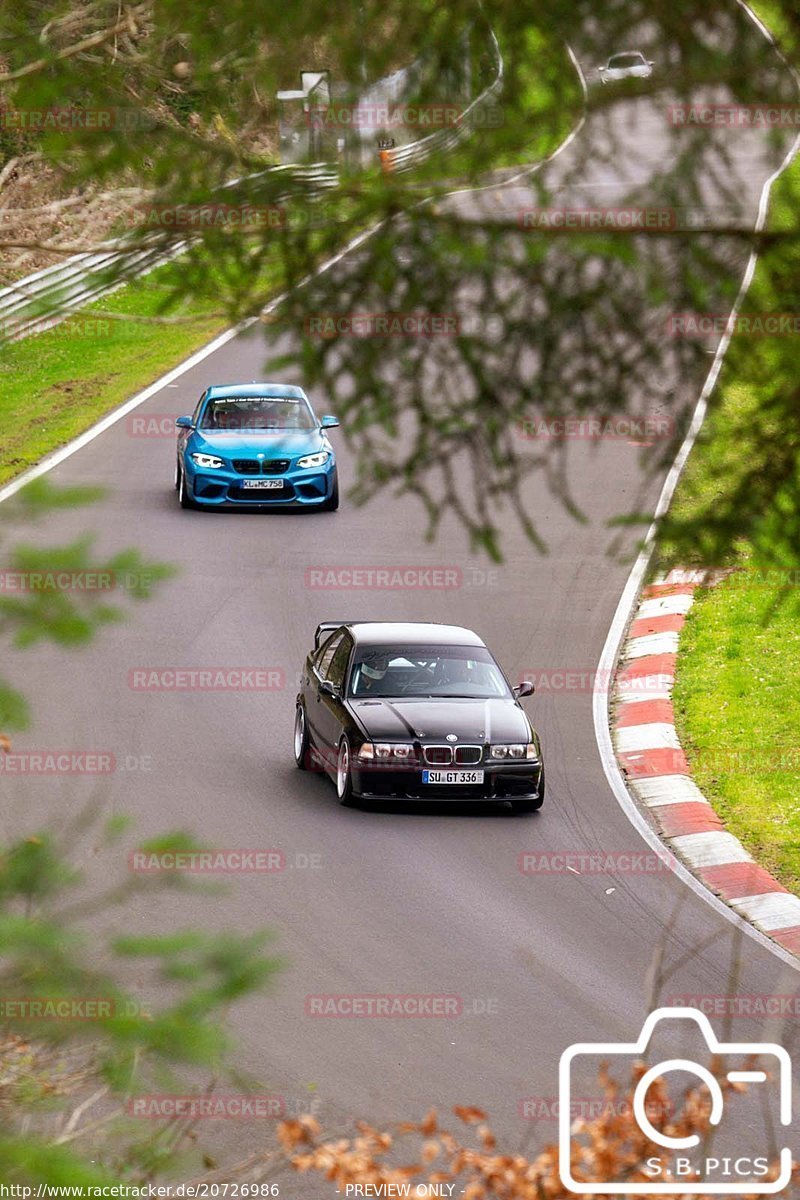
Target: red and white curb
[657,773]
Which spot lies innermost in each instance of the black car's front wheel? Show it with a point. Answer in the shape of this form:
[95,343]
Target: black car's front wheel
[344,778]
[302,747]
[529,804]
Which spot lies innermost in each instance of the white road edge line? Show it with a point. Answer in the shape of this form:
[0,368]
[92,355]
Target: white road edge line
[608,660]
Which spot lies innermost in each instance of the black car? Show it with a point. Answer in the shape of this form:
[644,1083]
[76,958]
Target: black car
[415,711]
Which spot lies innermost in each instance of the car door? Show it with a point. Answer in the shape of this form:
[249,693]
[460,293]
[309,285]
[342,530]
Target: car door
[331,713]
[320,663]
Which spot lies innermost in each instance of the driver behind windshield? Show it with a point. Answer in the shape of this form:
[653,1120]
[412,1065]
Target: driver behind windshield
[257,413]
[371,673]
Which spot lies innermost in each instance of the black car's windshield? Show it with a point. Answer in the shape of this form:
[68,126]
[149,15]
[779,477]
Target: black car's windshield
[422,671]
[625,60]
[237,413]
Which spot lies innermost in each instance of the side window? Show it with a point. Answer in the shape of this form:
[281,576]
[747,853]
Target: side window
[323,659]
[341,657]
[196,414]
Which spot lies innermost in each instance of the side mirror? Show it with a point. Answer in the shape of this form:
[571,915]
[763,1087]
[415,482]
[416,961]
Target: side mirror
[330,689]
[526,688]
[183,422]
[329,422]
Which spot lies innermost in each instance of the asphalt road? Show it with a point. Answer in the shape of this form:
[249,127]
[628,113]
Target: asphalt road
[402,901]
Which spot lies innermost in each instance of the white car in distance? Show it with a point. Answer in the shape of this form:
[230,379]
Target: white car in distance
[632,64]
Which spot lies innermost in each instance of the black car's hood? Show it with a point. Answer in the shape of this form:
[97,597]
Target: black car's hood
[432,720]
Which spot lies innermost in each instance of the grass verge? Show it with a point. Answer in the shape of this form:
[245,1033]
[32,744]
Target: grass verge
[56,384]
[737,689]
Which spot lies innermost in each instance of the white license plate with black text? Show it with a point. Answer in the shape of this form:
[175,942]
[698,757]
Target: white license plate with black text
[462,777]
[263,485]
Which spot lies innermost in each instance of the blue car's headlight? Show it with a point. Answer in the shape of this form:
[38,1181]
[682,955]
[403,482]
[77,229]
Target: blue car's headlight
[207,460]
[314,460]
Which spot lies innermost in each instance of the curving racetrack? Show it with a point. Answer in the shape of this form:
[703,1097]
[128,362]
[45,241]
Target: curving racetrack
[402,901]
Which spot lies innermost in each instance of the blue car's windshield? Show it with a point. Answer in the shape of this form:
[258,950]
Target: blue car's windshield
[423,671]
[237,413]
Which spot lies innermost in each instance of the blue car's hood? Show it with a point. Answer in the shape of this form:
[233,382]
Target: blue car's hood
[276,443]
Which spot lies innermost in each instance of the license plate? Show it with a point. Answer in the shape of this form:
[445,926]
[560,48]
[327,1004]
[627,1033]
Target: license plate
[461,777]
[262,485]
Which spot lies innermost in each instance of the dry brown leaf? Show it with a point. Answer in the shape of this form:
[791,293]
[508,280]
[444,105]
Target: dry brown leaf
[469,1114]
[429,1123]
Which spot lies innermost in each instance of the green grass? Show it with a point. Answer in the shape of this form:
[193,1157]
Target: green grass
[545,110]
[56,384]
[737,710]
[737,688]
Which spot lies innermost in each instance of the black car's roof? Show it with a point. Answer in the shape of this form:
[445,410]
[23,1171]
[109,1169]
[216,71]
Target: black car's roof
[415,633]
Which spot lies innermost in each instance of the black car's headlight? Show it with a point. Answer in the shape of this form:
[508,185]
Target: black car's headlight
[314,460]
[514,750]
[385,751]
[207,460]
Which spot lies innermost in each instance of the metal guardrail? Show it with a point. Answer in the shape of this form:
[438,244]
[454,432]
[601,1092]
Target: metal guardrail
[47,297]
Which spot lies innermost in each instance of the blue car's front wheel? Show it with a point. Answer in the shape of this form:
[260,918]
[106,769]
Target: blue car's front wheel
[332,503]
[184,499]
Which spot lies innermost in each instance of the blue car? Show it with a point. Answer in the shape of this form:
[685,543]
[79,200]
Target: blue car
[253,445]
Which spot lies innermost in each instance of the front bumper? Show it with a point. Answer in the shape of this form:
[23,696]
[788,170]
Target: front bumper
[501,781]
[222,487]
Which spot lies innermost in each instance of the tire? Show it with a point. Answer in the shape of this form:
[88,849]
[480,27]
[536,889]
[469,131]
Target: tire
[302,745]
[184,499]
[344,779]
[332,503]
[177,475]
[528,804]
